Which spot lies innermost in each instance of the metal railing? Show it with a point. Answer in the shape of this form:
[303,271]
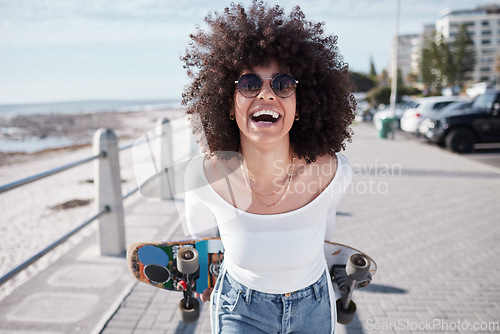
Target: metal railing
[39,176]
[107,184]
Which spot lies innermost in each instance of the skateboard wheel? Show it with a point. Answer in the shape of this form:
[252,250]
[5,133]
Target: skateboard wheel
[187,260]
[345,317]
[358,266]
[156,274]
[189,314]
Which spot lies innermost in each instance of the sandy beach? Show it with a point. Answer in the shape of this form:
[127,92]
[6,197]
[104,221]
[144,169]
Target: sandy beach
[38,213]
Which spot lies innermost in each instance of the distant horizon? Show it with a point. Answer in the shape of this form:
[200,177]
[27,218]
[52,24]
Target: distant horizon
[159,99]
[87,106]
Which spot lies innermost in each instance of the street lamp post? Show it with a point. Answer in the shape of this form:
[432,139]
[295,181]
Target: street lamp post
[394,69]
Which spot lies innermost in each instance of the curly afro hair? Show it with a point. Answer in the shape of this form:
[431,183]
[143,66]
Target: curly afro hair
[240,39]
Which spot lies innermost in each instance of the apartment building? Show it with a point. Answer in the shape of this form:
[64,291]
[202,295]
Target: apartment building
[407,47]
[483,25]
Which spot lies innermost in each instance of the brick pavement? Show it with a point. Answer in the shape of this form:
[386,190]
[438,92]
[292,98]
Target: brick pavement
[430,220]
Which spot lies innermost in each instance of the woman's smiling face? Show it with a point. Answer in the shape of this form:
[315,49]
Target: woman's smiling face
[266,118]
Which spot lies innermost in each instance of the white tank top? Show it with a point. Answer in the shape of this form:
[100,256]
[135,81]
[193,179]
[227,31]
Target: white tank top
[276,253]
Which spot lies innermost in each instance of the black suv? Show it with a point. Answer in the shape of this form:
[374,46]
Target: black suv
[461,129]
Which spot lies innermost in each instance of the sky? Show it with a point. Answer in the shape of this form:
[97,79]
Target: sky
[60,50]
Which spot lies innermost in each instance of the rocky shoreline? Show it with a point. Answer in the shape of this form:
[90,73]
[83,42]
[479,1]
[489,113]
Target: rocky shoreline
[69,131]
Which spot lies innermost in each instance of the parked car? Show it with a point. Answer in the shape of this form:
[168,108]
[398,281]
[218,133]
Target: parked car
[450,108]
[459,130]
[362,111]
[385,112]
[426,107]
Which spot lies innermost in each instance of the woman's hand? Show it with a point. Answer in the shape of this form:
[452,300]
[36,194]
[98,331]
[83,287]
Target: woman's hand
[205,296]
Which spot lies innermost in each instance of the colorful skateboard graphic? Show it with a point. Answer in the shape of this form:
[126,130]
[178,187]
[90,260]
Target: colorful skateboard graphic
[156,263]
[193,266]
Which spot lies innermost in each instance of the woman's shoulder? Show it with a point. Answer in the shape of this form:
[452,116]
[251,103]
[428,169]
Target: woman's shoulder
[337,170]
[343,162]
[335,167]
[215,168]
[328,165]
[194,176]
[331,164]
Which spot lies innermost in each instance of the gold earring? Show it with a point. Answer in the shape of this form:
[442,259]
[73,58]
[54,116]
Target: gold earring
[231,117]
[296,116]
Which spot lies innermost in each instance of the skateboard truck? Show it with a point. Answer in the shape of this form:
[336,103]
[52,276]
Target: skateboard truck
[188,266]
[355,274]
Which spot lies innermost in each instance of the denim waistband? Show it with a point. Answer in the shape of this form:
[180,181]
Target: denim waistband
[316,288]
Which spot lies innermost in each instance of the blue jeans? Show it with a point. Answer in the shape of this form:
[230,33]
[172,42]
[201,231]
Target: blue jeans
[238,309]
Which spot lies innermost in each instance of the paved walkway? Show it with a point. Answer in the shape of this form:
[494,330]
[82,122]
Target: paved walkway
[428,217]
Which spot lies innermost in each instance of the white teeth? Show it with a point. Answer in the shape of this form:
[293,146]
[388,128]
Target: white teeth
[274,114]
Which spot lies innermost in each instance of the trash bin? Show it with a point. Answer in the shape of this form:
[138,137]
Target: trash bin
[386,128]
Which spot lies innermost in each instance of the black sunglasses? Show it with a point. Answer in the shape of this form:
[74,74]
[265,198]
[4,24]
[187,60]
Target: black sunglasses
[250,85]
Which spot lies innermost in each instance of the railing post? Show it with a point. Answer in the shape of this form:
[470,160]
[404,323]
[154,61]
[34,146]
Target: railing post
[108,193]
[165,157]
[195,149]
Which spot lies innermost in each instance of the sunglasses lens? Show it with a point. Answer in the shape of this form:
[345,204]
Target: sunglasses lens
[249,85]
[283,85]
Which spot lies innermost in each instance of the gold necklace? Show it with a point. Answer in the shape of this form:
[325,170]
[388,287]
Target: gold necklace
[288,181]
[252,178]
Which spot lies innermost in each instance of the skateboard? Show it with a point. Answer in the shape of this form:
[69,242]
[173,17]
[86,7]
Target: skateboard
[350,269]
[188,266]
[193,266]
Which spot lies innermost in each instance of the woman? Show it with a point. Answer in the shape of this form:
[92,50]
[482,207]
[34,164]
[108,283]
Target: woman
[270,101]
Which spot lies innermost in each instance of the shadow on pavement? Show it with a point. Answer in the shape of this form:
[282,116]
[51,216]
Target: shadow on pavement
[354,327]
[379,288]
[183,328]
[347,214]
[446,173]
[480,150]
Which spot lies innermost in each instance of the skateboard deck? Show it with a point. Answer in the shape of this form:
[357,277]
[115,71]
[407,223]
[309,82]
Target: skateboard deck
[156,263]
[339,254]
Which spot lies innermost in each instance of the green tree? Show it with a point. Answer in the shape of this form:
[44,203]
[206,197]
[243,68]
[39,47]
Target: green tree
[382,94]
[362,82]
[383,78]
[464,55]
[432,65]
[426,66]
[445,64]
[497,67]
[412,78]
[373,72]
[400,81]
[448,68]
[437,64]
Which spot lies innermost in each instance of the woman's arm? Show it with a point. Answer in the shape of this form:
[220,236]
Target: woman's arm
[200,219]
[343,181]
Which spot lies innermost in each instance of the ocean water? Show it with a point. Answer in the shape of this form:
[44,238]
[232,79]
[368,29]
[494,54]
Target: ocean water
[91,106]
[12,142]
[32,145]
